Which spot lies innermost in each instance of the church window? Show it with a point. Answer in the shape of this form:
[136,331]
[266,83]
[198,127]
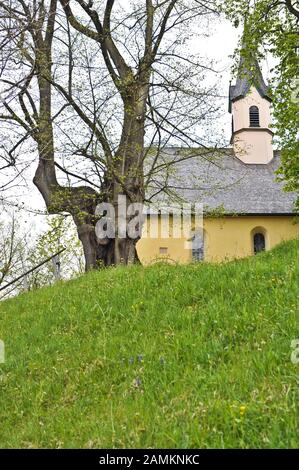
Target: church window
[259,242]
[198,247]
[254,116]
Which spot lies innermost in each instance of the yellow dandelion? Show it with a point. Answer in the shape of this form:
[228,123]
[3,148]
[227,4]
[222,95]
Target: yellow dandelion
[242,410]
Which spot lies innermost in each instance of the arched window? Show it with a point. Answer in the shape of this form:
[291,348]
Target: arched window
[198,247]
[254,116]
[259,242]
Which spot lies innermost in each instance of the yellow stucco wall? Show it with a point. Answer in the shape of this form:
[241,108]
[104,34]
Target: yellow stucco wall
[226,238]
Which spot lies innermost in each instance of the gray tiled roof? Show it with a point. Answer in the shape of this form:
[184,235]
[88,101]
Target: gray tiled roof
[225,182]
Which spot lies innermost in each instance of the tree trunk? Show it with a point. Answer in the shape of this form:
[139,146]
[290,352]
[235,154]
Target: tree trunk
[126,169]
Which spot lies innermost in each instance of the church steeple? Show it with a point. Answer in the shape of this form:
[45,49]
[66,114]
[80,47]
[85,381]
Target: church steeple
[249,103]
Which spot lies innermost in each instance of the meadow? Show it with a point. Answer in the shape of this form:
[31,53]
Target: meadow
[195,356]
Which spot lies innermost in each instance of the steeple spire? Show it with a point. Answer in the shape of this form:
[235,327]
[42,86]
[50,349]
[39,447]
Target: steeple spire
[249,74]
[249,103]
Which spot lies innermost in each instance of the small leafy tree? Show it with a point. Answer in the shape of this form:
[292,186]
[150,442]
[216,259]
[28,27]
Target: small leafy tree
[12,249]
[21,251]
[61,233]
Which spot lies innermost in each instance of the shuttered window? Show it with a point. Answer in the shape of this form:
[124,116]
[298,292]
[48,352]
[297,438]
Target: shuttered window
[254,116]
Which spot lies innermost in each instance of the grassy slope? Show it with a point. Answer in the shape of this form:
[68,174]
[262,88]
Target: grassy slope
[214,339]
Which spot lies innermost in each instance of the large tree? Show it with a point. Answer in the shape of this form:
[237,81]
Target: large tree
[92,85]
[272,26]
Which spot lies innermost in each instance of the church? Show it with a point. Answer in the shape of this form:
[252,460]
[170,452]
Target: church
[245,210]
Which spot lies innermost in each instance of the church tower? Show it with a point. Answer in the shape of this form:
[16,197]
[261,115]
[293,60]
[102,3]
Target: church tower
[249,104]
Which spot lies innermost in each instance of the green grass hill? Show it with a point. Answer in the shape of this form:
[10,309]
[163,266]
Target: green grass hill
[163,356]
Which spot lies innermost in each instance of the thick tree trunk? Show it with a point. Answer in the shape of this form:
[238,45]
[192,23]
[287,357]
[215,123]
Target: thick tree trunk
[98,255]
[87,236]
[126,250]
[125,169]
